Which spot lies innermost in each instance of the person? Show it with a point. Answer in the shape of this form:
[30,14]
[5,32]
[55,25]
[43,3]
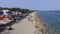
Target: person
[17,17]
[21,15]
[10,24]
[11,17]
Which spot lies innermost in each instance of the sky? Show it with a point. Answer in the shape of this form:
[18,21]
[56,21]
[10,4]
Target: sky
[32,4]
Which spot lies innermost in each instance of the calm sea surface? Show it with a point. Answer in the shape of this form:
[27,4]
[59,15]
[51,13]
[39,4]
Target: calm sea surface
[52,19]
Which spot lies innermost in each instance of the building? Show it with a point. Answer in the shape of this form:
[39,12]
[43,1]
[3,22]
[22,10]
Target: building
[5,12]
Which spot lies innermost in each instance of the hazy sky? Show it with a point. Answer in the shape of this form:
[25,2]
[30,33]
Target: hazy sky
[32,4]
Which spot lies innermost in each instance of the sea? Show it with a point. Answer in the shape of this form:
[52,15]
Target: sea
[52,20]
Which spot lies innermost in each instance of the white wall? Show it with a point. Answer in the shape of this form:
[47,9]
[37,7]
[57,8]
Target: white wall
[5,11]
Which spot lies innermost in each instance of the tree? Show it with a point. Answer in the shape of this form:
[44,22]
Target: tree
[5,8]
[0,8]
[25,11]
[15,9]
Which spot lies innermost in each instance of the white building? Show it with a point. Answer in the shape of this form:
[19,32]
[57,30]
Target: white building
[5,12]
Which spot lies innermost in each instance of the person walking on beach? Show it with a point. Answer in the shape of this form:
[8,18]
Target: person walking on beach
[13,20]
[10,24]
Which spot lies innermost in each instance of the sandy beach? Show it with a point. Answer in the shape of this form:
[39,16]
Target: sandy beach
[31,24]
[41,28]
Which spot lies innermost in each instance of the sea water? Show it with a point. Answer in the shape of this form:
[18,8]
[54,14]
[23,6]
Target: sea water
[52,19]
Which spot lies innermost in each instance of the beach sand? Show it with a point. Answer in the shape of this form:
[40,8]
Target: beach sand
[41,28]
[31,24]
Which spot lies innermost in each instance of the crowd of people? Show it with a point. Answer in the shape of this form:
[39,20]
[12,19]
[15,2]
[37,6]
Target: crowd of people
[14,17]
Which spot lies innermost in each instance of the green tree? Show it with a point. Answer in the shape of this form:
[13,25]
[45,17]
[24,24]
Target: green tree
[5,8]
[25,11]
[15,9]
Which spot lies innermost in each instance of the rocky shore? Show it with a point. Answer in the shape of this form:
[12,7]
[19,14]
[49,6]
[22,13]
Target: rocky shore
[41,28]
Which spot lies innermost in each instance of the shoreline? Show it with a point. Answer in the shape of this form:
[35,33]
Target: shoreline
[31,24]
[41,28]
